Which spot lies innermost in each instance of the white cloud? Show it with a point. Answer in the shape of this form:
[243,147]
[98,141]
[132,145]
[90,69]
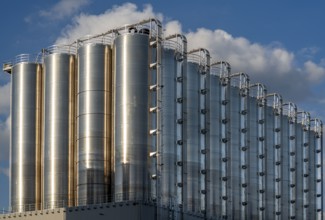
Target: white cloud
[270,64]
[85,24]
[62,9]
[314,71]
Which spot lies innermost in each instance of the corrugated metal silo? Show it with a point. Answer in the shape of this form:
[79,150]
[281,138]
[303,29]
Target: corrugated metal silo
[59,121]
[93,121]
[131,117]
[26,108]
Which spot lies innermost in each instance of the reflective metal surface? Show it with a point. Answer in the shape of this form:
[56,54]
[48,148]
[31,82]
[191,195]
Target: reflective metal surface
[26,98]
[93,123]
[171,138]
[131,117]
[193,138]
[59,120]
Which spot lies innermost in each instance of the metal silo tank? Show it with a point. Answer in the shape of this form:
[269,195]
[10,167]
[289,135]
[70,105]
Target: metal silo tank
[195,188]
[217,116]
[238,180]
[131,117]
[173,61]
[169,100]
[26,99]
[93,122]
[59,120]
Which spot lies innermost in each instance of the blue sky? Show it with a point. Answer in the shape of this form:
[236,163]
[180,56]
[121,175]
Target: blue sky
[278,43]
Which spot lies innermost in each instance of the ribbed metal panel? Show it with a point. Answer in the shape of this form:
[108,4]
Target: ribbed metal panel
[93,119]
[59,120]
[131,117]
[26,98]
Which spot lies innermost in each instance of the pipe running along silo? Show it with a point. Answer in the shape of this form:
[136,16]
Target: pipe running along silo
[26,109]
[59,121]
[198,65]
[93,120]
[132,142]
[218,86]
[173,117]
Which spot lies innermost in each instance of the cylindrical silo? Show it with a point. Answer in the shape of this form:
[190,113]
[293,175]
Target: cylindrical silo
[93,122]
[257,149]
[26,99]
[238,181]
[173,62]
[274,134]
[131,116]
[290,109]
[195,187]
[218,127]
[59,121]
[303,130]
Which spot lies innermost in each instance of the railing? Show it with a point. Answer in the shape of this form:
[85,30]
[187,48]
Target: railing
[28,58]
[68,49]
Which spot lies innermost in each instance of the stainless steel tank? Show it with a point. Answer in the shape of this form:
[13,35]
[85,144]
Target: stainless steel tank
[93,123]
[238,152]
[59,121]
[131,117]
[257,151]
[195,188]
[26,108]
[173,62]
[218,127]
[302,129]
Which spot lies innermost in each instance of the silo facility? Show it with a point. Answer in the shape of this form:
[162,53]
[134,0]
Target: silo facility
[26,109]
[94,95]
[59,121]
[129,124]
